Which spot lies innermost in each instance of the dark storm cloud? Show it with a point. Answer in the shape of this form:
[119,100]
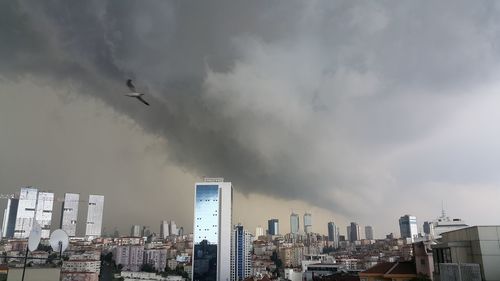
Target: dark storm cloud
[297,100]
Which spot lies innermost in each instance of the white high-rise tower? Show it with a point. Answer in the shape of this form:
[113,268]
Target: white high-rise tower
[43,215]
[69,214]
[212,227]
[94,216]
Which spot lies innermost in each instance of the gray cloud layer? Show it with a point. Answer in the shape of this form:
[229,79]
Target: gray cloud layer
[338,103]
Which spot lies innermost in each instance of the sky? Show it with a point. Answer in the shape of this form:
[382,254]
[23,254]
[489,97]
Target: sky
[351,110]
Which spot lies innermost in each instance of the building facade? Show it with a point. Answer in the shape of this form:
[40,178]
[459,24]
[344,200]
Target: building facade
[369,232]
[294,223]
[43,214]
[9,218]
[94,216]
[164,229]
[273,227]
[241,254]
[408,227]
[355,233]
[69,213]
[25,212]
[307,223]
[212,230]
[333,234]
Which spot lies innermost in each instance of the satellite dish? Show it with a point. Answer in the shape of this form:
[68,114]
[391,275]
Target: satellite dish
[59,240]
[34,238]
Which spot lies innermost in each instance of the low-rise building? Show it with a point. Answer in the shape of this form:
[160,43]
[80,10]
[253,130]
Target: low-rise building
[390,271]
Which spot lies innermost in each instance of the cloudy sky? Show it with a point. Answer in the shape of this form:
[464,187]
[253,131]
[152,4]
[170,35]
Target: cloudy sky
[353,110]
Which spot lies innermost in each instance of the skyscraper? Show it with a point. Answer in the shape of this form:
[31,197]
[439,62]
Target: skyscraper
[333,234]
[173,228]
[241,254]
[94,216]
[213,200]
[69,214]
[25,212]
[164,229]
[428,228]
[43,215]
[348,232]
[408,227]
[9,218]
[259,231]
[273,227]
[307,223]
[294,223]
[136,231]
[369,232]
[354,232]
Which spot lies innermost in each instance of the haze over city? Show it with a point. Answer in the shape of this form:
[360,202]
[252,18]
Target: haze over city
[351,110]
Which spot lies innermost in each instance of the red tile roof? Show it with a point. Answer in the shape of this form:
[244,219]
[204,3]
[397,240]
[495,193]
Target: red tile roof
[380,268]
[406,267]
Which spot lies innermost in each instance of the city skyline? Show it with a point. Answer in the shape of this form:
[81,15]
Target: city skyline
[308,106]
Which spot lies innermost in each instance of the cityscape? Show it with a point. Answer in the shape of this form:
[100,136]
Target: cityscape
[227,140]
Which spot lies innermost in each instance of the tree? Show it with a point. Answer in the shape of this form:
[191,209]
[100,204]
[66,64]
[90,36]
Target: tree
[147,268]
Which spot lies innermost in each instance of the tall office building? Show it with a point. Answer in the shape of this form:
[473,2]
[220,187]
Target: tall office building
[294,223]
[355,236]
[408,227]
[369,232]
[69,214]
[136,231]
[307,223]
[428,228]
[259,231]
[43,215]
[25,212]
[241,254]
[9,218]
[212,227]
[173,228]
[94,216]
[273,227]
[333,234]
[164,229]
[348,232]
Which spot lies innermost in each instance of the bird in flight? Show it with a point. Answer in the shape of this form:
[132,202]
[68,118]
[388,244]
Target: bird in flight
[133,93]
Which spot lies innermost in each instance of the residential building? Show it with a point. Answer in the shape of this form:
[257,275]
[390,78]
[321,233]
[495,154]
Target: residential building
[25,212]
[69,213]
[131,257]
[471,245]
[273,227]
[369,232]
[9,218]
[241,254]
[212,230]
[136,231]
[294,223]
[408,227]
[390,271]
[94,216]
[157,258]
[43,214]
[422,253]
[307,223]
[81,268]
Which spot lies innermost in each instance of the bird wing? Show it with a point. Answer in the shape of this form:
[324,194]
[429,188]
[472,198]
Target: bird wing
[143,101]
[130,85]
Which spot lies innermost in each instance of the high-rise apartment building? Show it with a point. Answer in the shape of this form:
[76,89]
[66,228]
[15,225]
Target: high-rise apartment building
[333,234]
[241,254]
[408,227]
[212,230]
[164,229]
[273,227]
[9,218]
[94,216]
[69,213]
[294,223]
[43,214]
[369,232]
[259,231]
[355,235]
[307,223]
[136,231]
[348,233]
[173,228]
[25,212]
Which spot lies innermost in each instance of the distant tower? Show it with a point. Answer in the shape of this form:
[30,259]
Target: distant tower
[273,227]
[307,223]
[259,231]
[212,227]
[25,212]
[44,205]
[408,227]
[69,213]
[94,216]
[9,218]
[333,234]
[369,232]
[164,229]
[354,232]
[136,231]
[241,254]
[294,223]
[173,228]
[348,232]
